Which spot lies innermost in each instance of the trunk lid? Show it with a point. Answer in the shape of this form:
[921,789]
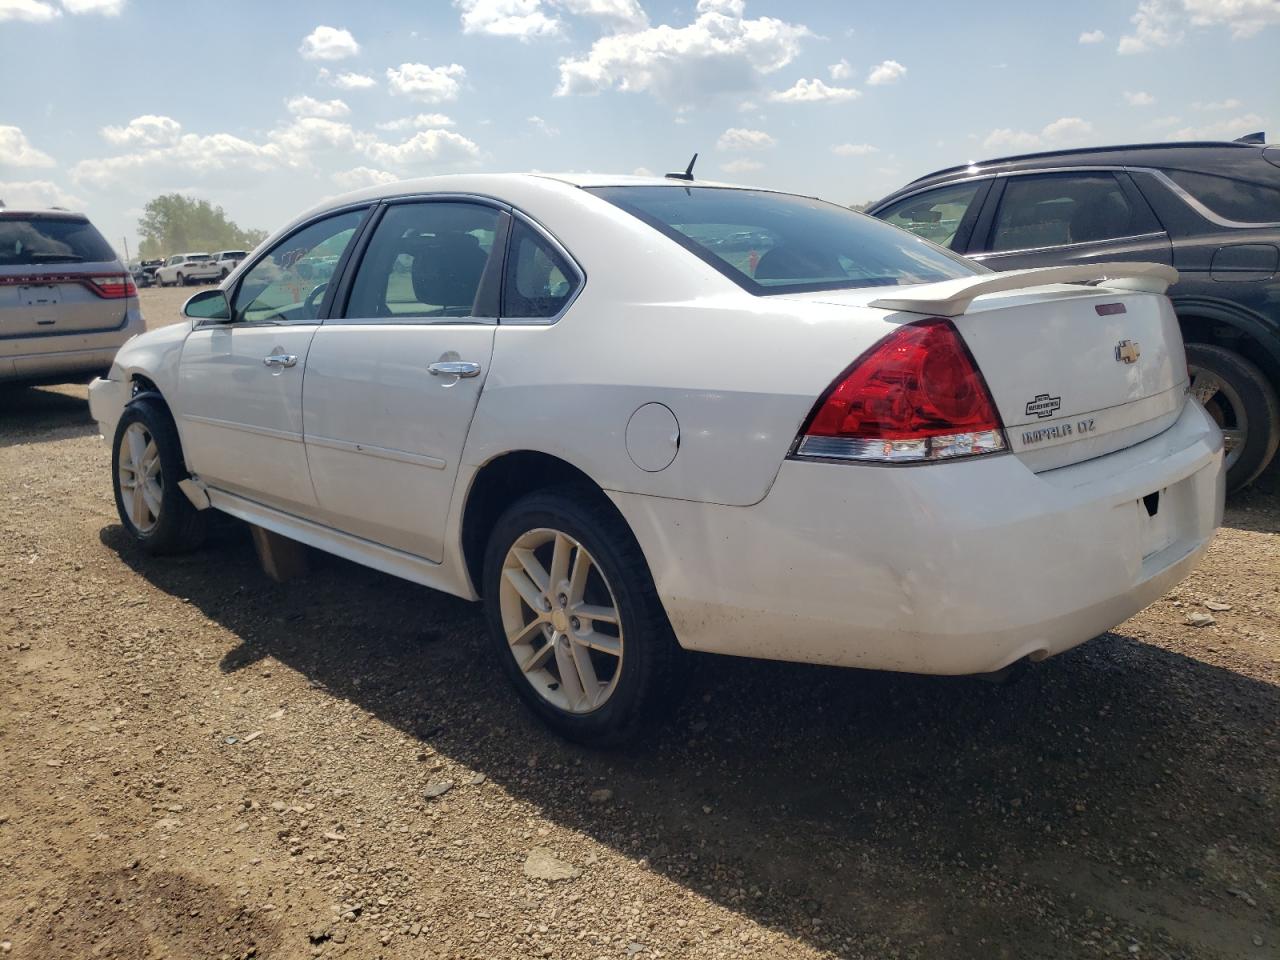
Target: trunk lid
[40,301]
[1076,371]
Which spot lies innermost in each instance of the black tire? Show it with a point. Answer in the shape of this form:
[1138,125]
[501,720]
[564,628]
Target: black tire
[182,281]
[225,273]
[649,679]
[179,527]
[1247,402]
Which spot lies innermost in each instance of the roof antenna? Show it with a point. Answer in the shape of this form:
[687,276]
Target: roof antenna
[688,171]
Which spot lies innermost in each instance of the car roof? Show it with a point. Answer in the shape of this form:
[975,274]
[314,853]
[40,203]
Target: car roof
[50,213]
[1192,155]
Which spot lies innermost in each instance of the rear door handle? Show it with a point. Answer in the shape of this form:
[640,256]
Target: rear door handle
[280,360]
[454,368]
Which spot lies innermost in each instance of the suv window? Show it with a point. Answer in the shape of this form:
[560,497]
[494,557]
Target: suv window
[1231,199]
[425,260]
[539,281]
[282,285]
[779,243]
[1053,210]
[28,239]
[935,215]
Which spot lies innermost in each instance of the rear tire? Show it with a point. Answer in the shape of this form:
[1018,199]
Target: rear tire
[182,281]
[147,466]
[591,679]
[1243,402]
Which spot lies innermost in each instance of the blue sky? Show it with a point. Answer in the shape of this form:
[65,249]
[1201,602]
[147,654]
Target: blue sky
[268,107]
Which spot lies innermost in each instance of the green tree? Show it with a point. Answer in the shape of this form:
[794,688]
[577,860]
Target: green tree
[174,224]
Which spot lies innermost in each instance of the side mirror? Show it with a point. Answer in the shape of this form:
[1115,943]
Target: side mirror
[208,305]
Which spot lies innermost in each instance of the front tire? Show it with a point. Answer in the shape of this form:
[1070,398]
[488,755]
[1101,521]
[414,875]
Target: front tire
[1243,403]
[147,466]
[182,281]
[574,618]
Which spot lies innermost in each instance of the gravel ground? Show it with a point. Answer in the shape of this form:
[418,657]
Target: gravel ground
[196,763]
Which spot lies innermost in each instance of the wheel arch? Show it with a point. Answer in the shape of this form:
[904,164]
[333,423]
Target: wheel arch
[501,481]
[1226,324]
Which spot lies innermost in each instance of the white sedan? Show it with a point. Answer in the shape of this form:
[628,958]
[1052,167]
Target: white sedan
[635,415]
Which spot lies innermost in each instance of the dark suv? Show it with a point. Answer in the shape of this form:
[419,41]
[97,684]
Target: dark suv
[1212,210]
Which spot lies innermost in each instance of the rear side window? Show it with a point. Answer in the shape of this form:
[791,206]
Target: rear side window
[1058,209]
[778,243]
[539,281]
[425,260]
[935,215]
[26,240]
[1230,199]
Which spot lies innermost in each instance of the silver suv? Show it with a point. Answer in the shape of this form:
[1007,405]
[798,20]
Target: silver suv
[67,303]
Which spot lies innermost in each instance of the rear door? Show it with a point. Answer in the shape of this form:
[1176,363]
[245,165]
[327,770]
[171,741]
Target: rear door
[393,380]
[56,277]
[239,401]
[1045,219]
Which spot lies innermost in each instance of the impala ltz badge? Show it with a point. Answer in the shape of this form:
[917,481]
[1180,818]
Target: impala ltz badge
[1128,351]
[1044,405]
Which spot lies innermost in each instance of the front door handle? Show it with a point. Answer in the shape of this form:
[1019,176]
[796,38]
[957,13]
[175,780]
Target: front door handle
[454,368]
[280,360]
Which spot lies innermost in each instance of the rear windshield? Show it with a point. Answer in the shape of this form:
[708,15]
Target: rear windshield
[35,239]
[778,243]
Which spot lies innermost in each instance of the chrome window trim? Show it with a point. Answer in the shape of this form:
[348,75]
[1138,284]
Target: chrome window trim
[1199,207]
[1067,246]
[569,258]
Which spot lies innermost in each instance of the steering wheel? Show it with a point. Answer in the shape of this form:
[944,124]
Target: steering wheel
[312,303]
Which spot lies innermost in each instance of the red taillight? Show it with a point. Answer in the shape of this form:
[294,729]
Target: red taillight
[112,286]
[916,395]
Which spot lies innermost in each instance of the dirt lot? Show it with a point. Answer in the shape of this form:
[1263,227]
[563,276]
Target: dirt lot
[197,763]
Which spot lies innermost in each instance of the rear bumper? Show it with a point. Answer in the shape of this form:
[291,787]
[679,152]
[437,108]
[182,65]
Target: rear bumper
[945,568]
[48,357]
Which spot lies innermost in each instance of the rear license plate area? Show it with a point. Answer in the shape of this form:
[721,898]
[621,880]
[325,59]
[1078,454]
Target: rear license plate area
[1155,521]
[43,295]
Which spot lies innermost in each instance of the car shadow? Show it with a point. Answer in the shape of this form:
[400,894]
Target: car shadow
[933,817]
[38,415]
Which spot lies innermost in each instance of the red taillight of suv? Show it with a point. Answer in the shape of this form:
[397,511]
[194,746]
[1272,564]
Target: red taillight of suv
[112,286]
[915,396]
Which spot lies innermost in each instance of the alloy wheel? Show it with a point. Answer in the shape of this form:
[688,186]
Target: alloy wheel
[1225,405]
[141,482]
[561,620]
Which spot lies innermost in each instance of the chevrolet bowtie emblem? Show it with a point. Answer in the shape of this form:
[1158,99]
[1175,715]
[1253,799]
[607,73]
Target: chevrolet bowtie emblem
[1128,351]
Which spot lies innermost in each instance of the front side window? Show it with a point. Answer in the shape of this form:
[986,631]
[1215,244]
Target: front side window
[28,239]
[425,260]
[1237,200]
[935,215]
[777,243]
[539,281]
[289,282]
[1058,209]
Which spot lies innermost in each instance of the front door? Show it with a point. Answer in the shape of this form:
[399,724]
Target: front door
[393,379]
[240,383]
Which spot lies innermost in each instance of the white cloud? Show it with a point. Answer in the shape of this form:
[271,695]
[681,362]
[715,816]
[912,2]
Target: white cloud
[32,11]
[890,71]
[720,52]
[1061,132]
[346,81]
[617,14]
[742,165]
[1139,98]
[329,43]
[1161,123]
[16,150]
[191,154]
[304,136]
[420,122]
[543,127]
[1092,36]
[311,107]
[642,172]
[108,8]
[1230,103]
[147,130]
[1222,129]
[359,177]
[840,71]
[854,149]
[1244,17]
[738,138]
[523,19]
[813,91]
[424,83]
[426,146]
[37,194]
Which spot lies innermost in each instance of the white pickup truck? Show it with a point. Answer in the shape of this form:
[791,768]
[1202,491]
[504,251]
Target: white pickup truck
[184,268]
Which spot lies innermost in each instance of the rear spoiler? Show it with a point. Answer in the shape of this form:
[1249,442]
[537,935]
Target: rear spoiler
[951,298]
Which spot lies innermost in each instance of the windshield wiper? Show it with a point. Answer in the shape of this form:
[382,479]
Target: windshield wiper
[55,258]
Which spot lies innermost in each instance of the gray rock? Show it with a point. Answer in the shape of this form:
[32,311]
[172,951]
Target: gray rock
[1216,606]
[1199,620]
[437,788]
[541,865]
